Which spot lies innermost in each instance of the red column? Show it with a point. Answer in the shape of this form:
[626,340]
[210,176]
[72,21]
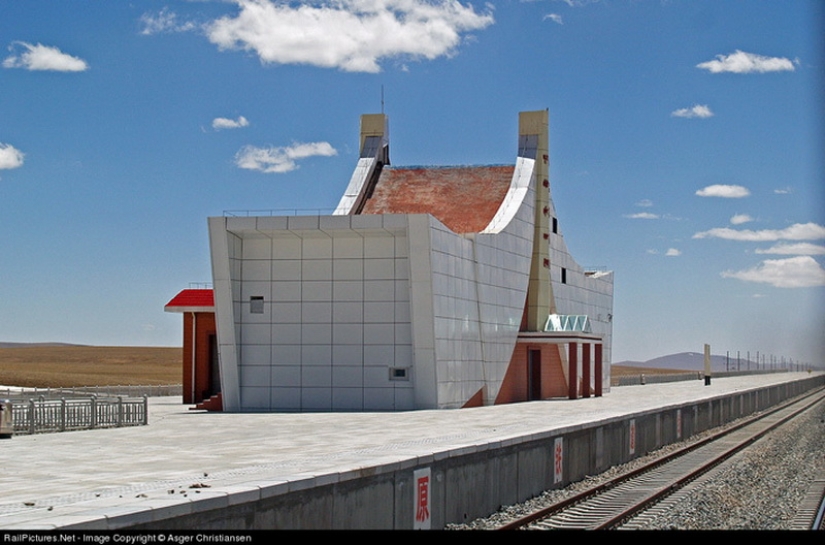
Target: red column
[586,370]
[572,374]
[188,355]
[598,366]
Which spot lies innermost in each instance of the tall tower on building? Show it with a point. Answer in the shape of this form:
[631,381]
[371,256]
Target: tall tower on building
[534,144]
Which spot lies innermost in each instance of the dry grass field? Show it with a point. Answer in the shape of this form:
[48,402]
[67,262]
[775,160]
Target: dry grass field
[72,366]
[625,370]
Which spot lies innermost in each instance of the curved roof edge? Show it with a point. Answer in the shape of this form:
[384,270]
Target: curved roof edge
[513,200]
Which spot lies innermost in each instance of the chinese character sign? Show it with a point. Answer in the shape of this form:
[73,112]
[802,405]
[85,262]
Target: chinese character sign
[421,482]
[678,423]
[558,460]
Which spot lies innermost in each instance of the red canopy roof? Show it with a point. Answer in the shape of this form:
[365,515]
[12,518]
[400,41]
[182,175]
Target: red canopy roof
[192,300]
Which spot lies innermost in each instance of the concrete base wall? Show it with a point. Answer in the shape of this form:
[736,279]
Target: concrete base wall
[474,482]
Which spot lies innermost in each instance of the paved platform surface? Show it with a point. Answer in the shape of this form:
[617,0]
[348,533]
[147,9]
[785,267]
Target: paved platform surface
[49,480]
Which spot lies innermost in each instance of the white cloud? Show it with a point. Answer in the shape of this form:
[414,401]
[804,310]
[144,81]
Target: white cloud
[579,3]
[555,17]
[793,272]
[673,252]
[352,35]
[42,57]
[741,62]
[645,203]
[163,22]
[281,159]
[739,219]
[725,191]
[10,157]
[782,191]
[798,248]
[697,110]
[797,231]
[642,216]
[220,123]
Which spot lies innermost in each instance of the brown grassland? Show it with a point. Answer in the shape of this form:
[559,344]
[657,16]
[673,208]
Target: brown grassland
[72,366]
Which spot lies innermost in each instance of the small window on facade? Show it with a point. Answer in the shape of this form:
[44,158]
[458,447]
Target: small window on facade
[555,225]
[256,304]
[563,275]
[398,373]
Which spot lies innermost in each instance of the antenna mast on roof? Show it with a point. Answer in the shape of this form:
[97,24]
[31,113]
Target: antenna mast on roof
[382,98]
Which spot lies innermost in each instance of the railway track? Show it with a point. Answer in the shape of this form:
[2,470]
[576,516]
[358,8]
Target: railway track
[616,502]
[811,515]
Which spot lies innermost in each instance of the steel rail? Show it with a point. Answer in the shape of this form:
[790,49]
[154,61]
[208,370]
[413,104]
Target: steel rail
[819,519]
[811,514]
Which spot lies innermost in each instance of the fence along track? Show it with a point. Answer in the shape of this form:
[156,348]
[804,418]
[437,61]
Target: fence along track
[611,503]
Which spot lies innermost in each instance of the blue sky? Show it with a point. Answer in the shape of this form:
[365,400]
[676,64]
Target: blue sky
[685,143]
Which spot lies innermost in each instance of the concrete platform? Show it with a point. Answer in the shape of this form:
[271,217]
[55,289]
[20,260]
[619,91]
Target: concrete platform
[186,462]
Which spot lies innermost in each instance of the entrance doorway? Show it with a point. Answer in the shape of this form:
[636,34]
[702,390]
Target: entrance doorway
[214,368]
[533,374]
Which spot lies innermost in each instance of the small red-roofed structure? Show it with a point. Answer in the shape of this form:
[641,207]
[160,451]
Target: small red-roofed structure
[192,300]
[201,377]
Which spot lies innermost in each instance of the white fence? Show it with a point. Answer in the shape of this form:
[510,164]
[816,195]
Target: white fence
[56,415]
[151,390]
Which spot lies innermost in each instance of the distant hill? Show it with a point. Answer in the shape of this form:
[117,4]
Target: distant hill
[23,345]
[691,361]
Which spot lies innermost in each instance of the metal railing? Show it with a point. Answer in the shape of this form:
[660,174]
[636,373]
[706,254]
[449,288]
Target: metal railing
[643,378]
[279,212]
[157,390]
[57,415]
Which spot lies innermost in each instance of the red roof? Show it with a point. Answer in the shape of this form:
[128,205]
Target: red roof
[465,199]
[192,300]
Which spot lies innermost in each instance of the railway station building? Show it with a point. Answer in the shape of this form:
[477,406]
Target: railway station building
[427,288]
